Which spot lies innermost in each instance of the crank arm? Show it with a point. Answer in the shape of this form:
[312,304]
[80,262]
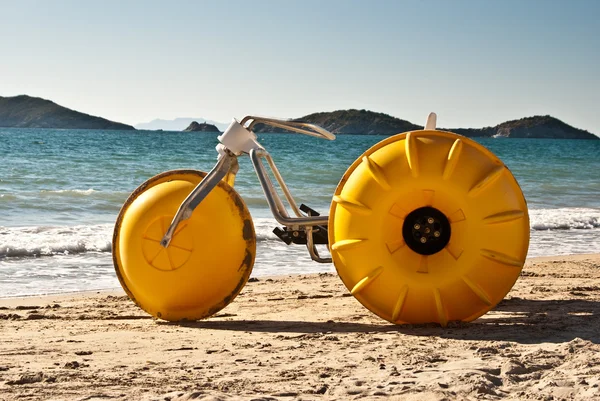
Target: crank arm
[208,183]
[312,249]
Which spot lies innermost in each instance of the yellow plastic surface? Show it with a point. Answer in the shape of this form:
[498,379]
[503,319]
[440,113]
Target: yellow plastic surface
[210,256]
[470,186]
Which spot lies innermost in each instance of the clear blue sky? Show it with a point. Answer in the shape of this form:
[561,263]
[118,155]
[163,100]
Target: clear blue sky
[475,63]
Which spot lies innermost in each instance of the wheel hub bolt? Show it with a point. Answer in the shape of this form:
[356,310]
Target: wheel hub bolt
[417,226]
[436,234]
[423,240]
[430,220]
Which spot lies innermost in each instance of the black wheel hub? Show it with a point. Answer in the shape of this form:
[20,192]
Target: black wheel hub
[426,230]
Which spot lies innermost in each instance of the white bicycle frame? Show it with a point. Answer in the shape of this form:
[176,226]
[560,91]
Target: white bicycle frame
[238,139]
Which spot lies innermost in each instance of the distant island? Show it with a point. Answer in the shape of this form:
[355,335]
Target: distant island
[371,123]
[529,127]
[362,122]
[33,112]
[204,127]
[177,124]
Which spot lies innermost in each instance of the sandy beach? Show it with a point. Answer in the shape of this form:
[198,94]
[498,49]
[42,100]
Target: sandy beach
[305,338]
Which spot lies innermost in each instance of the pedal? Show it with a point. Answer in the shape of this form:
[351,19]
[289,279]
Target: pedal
[290,236]
[283,234]
[320,235]
[308,210]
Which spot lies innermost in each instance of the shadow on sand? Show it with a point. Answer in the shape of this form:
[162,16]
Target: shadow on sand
[519,320]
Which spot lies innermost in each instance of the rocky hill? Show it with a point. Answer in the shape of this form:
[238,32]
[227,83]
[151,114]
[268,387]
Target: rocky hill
[353,121]
[366,122]
[33,112]
[529,127]
[204,127]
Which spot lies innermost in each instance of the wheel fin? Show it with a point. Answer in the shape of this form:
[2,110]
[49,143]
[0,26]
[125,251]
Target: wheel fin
[504,217]
[368,279]
[486,181]
[411,154]
[439,305]
[163,229]
[454,251]
[181,247]
[397,211]
[394,246]
[428,195]
[423,265]
[345,244]
[162,260]
[377,173]
[500,258]
[352,206]
[154,232]
[452,161]
[180,227]
[480,292]
[399,303]
[156,255]
[170,259]
[457,216]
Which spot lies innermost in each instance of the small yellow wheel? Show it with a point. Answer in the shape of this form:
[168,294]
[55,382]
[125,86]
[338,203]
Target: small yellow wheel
[428,226]
[210,256]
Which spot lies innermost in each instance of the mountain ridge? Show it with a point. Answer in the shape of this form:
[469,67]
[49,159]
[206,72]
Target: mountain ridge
[25,111]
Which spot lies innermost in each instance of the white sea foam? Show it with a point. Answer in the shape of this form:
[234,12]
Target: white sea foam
[48,240]
[263,228]
[69,191]
[564,218]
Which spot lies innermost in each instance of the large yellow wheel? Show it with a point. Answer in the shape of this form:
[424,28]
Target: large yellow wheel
[210,256]
[428,226]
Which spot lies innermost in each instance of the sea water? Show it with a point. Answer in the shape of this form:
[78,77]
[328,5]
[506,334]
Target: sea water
[61,191]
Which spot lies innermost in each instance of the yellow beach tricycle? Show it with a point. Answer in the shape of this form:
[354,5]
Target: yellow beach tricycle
[425,226]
